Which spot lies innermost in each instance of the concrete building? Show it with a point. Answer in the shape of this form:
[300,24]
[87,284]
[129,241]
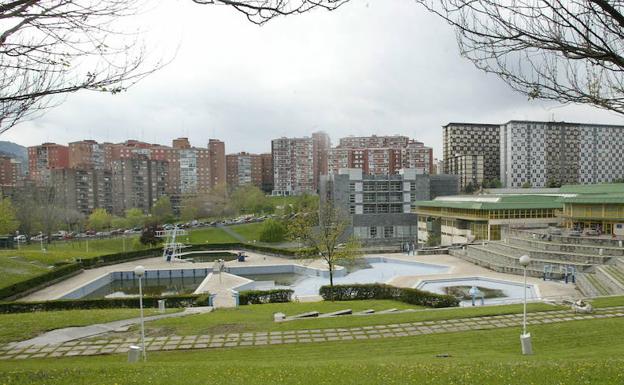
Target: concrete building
[267,172]
[293,166]
[465,219]
[10,171]
[381,155]
[137,183]
[381,205]
[44,158]
[321,144]
[472,139]
[469,168]
[551,154]
[598,207]
[87,154]
[216,152]
[83,190]
[244,169]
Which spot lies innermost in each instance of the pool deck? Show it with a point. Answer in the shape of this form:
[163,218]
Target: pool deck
[222,288]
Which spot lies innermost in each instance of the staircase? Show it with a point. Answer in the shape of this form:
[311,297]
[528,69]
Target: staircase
[599,263]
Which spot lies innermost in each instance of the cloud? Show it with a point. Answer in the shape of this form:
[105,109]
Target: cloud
[368,68]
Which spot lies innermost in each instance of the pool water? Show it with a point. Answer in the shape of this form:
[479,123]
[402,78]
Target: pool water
[151,287]
[512,291]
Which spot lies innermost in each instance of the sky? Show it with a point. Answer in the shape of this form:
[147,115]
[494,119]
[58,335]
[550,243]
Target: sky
[370,67]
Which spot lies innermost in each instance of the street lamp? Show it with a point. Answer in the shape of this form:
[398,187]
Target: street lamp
[525,338]
[139,271]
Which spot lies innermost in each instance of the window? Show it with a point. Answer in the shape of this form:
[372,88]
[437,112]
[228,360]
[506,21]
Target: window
[388,231]
[372,232]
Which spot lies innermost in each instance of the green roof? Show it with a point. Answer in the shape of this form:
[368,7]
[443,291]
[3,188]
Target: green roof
[595,198]
[495,202]
[605,188]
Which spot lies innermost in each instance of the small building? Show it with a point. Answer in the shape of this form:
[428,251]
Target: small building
[464,219]
[381,206]
[598,207]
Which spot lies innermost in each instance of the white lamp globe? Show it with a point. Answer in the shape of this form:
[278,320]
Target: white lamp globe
[525,260]
[139,271]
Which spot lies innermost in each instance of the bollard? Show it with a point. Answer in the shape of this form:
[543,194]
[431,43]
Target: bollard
[211,299]
[278,317]
[236,298]
[161,306]
[134,354]
[525,341]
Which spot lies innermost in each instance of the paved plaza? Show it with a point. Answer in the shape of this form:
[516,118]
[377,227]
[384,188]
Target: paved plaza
[219,341]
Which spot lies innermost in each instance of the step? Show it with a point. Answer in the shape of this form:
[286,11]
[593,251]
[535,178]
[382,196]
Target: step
[562,257]
[587,241]
[599,287]
[585,282]
[501,268]
[566,247]
[536,263]
[616,273]
[608,280]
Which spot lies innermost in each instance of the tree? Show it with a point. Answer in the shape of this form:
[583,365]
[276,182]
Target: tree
[553,183]
[326,231]
[527,185]
[248,199]
[8,220]
[216,201]
[162,211]
[148,235]
[135,218]
[568,51]
[261,11]
[273,231]
[99,220]
[434,240]
[470,188]
[52,48]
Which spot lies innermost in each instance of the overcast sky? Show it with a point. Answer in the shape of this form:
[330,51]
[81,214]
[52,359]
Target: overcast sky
[378,67]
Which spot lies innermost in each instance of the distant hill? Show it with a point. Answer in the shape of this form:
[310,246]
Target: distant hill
[14,150]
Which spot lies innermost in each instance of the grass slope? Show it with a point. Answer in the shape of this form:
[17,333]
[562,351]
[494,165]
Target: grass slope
[579,352]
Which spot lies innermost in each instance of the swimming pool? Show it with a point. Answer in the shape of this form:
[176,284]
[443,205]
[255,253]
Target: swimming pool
[512,291]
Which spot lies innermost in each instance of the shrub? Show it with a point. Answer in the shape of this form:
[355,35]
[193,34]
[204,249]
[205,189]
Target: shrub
[175,301]
[264,296]
[273,231]
[382,291]
[57,273]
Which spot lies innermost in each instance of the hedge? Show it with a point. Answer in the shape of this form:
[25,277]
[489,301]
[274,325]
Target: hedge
[382,291]
[264,296]
[175,301]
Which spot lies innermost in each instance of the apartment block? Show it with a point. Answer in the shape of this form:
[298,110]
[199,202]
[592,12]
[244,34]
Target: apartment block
[321,144]
[381,155]
[293,166]
[473,139]
[244,169]
[87,154]
[138,183]
[10,171]
[83,190]
[267,172]
[549,154]
[44,158]
[216,150]
[469,169]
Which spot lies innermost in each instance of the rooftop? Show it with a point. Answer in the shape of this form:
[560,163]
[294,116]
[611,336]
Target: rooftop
[495,202]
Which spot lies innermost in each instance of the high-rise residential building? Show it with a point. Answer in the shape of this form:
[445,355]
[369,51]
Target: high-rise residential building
[267,172]
[293,166]
[469,169]
[473,139]
[83,190]
[87,154]
[138,183]
[321,144]
[216,149]
[381,155]
[549,154]
[244,169]
[44,158]
[10,171]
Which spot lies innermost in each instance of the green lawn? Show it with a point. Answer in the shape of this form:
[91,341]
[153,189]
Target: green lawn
[579,352]
[208,235]
[260,317]
[22,326]
[250,231]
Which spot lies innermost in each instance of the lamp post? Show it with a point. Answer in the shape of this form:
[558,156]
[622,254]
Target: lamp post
[41,239]
[139,271]
[525,338]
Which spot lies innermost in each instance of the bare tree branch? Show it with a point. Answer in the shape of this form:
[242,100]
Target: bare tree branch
[571,51]
[53,48]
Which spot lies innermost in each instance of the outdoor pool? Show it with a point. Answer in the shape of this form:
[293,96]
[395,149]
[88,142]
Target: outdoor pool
[511,291]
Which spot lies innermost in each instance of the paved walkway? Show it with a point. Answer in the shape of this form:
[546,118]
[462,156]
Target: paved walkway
[119,345]
[60,336]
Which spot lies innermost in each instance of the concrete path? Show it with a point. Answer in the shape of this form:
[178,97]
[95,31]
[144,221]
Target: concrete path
[119,345]
[60,336]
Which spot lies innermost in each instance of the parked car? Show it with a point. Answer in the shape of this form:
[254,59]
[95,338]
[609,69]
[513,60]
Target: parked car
[574,233]
[20,238]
